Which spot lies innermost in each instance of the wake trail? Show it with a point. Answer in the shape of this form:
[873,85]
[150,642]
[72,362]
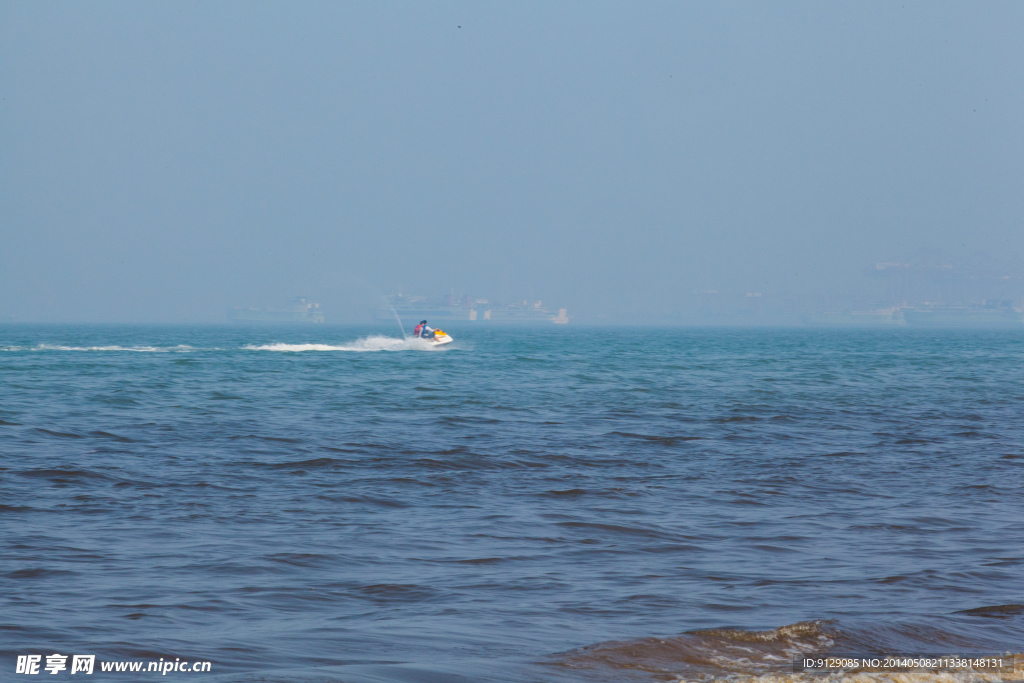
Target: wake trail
[374,343]
[180,348]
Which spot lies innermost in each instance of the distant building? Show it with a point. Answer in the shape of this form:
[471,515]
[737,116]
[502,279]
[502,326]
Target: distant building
[989,314]
[451,309]
[876,317]
[931,289]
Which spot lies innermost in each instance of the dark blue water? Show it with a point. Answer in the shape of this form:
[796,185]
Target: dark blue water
[329,504]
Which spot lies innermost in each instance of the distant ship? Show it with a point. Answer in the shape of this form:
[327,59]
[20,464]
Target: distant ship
[451,309]
[299,310]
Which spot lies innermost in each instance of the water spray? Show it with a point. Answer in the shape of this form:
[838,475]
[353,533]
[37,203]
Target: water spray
[400,326]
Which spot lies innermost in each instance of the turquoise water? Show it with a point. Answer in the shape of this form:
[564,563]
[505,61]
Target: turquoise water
[332,503]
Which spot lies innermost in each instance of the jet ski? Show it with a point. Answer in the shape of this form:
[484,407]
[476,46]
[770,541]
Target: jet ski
[439,339]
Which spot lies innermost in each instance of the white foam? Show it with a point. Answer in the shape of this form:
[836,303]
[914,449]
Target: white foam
[374,343]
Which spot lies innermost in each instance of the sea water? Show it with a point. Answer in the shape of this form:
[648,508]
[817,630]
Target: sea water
[533,504]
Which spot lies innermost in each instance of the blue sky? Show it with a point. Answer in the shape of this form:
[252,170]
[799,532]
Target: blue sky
[165,161]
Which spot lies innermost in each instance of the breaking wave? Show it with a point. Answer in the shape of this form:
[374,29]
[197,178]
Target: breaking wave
[707,653]
[373,343]
[767,656]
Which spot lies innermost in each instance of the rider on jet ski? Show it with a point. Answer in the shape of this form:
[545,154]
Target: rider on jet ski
[423,331]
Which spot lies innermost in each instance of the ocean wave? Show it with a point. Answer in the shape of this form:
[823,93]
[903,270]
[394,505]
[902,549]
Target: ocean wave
[373,343]
[769,656]
[180,348]
[714,652]
[878,677]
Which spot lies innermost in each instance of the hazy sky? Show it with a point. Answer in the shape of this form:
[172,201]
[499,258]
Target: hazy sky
[165,161]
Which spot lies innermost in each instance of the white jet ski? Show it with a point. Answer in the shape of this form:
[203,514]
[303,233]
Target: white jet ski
[439,339]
